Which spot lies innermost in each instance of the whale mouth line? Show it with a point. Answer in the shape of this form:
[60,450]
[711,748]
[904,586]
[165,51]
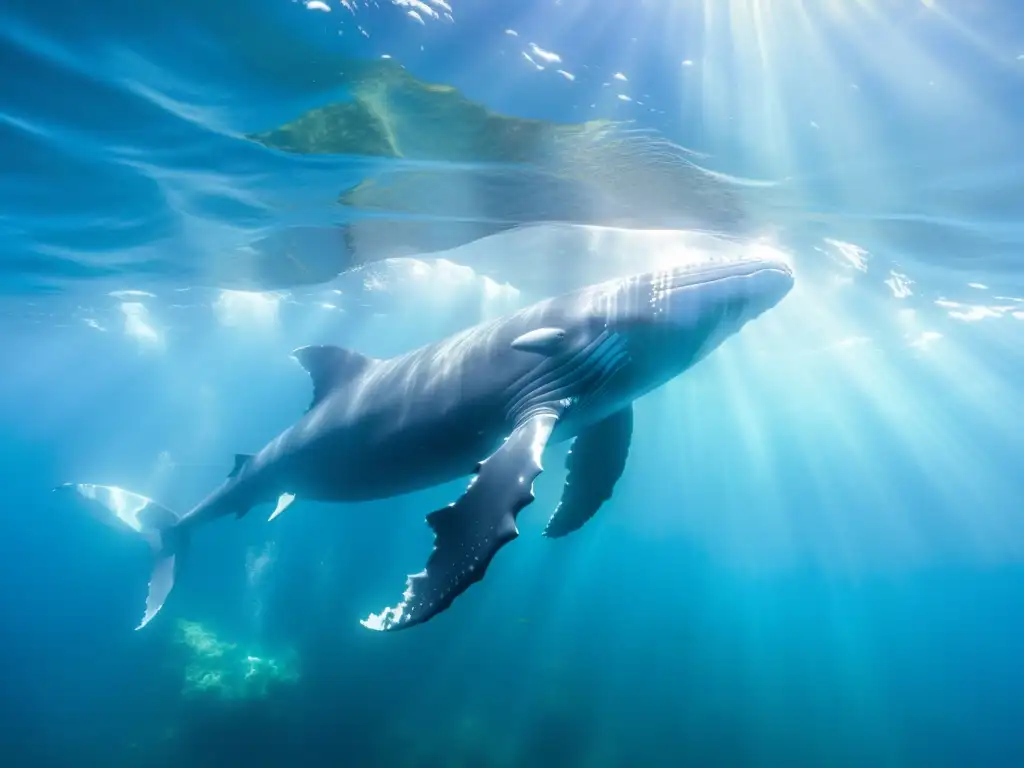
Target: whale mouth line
[692,280]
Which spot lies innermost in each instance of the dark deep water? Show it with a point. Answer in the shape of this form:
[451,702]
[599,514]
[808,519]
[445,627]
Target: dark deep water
[816,554]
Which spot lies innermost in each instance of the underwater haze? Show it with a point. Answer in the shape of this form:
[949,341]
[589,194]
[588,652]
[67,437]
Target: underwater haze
[815,554]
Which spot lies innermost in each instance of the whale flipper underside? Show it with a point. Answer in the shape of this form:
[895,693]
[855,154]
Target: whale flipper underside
[595,463]
[468,533]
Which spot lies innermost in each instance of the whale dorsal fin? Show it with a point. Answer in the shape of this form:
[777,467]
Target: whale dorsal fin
[241,459]
[330,367]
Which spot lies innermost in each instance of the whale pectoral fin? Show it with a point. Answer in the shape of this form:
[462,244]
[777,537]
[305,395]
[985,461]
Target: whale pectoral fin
[283,502]
[595,464]
[468,533]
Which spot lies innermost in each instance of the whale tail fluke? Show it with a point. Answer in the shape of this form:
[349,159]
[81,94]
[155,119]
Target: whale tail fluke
[157,525]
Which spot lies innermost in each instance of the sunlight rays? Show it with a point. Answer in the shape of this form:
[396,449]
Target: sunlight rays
[825,58]
[249,309]
[818,396]
[979,42]
[796,443]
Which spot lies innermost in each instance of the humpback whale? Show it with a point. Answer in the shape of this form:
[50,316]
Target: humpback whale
[482,403]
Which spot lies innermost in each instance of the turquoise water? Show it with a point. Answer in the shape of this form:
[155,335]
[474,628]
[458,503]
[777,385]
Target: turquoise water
[814,557]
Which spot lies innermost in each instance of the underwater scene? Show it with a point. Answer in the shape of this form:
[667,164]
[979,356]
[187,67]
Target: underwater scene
[477,384]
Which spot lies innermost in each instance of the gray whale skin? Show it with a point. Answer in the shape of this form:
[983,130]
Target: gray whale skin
[484,402]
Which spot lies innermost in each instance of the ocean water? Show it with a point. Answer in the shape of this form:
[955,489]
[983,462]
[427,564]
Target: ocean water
[815,556]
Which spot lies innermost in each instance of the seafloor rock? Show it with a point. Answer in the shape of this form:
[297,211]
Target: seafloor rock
[227,671]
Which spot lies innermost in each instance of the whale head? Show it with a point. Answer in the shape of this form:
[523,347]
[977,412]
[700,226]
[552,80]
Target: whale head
[672,318]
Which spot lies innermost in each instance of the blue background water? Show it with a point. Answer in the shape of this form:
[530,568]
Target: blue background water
[814,557]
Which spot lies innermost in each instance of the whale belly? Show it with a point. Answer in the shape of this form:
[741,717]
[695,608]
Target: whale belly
[390,452]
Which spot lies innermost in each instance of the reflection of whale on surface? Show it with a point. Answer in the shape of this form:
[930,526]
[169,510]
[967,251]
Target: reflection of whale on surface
[538,259]
[485,401]
[456,172]
[607,183]
[405,213]
[549,259]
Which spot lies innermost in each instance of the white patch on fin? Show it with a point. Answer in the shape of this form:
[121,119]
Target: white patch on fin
[542,340]
[283,502]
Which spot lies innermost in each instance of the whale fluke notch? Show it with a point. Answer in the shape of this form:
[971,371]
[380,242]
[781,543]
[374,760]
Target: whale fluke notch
[595,463]
[469,533]
[330,366]
[159,526]
[241,459]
